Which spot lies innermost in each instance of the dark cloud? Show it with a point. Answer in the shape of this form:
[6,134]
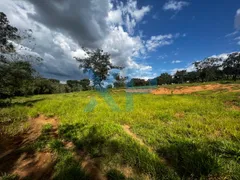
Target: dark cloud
[60,27]
[84,20]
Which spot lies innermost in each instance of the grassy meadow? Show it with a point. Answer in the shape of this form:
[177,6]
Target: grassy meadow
[140,136]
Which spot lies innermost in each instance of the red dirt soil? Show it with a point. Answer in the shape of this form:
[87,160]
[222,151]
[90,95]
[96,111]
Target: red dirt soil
[191,89]
[24,163]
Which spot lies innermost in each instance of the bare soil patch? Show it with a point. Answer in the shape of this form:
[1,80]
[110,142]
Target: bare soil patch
[192,89]
[139,90]
[36,166]
[232,105]
[35,128]
[90,165]
[134,136]
[16,159]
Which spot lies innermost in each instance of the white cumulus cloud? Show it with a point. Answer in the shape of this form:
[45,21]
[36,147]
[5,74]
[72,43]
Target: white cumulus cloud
[128,14]
[161,40]
[175,5]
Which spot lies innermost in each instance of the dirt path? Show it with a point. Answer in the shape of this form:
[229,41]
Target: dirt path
[191,89]
[14,159]
[89,165]
[40,164]
[134,136]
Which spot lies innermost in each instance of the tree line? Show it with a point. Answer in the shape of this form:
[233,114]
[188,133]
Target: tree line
[209,69]
[18,77]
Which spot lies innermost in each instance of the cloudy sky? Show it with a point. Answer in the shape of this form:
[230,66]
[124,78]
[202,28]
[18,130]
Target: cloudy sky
[147,37]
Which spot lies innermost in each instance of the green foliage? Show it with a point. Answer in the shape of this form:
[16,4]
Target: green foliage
[47,128]
[85,83]
[55,145]
[190,160]
[8,32]
[48,86]
[13,76]
[74,85]
[179,76]
[164,78]
[114,174]
[8,177]
[120,81]
[232,65]
[97,63]
[109,86]
[137,82]
[68,168]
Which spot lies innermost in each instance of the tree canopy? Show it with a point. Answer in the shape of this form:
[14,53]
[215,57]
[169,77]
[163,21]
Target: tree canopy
[97,63]
[7,32]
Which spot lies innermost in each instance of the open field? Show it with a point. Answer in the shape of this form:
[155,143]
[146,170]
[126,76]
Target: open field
[86,135]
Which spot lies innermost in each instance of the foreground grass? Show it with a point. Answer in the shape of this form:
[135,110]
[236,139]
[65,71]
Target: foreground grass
[184,136]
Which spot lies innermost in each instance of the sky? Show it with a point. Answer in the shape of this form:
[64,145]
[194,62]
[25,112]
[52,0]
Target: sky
[146,37]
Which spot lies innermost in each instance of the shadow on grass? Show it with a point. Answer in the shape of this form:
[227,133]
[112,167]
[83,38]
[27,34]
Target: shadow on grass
[123,149]
[68,168]
[9,103]
[189,161]
[114,174]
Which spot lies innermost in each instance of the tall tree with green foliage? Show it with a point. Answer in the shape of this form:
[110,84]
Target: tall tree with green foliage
[85,83]
[232,65]
[98,64]
[164,78]
[208,69]
[120,81]
[138,82]
[13,74]
[74,85]
[7,32]
[180,76]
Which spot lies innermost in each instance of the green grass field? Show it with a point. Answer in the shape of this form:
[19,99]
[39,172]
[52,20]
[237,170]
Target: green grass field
[195,136]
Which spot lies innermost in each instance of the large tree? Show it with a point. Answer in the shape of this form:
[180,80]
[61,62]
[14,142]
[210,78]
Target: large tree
[85,83]
[137,82]
[97,63]
[179,76]
[75,85]
[13,74]
[120,81]
[232,65]
[164,78]
[7,32]
[208,69]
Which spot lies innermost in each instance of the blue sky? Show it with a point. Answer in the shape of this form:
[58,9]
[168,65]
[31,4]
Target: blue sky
[205,23]
[146,37]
